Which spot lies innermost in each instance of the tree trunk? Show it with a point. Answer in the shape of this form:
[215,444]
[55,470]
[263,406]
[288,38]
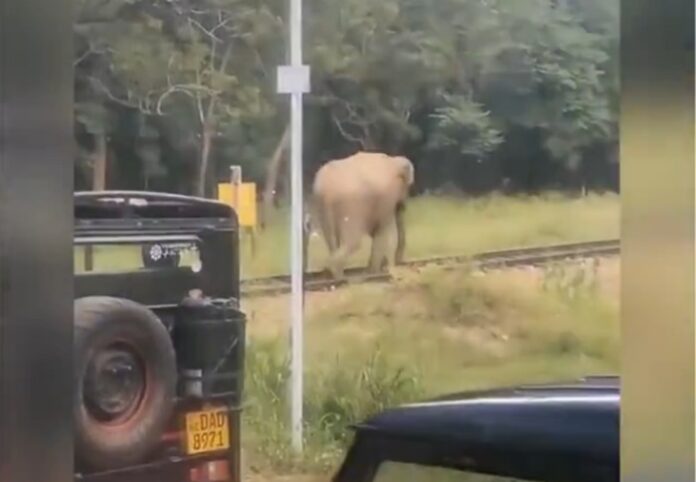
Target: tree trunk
[272,171]
[206,142]
[99,163]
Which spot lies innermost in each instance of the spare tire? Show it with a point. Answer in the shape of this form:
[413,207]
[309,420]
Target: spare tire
[125,382]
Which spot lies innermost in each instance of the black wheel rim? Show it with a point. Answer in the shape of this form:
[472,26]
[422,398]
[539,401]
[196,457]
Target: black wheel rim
[114,384]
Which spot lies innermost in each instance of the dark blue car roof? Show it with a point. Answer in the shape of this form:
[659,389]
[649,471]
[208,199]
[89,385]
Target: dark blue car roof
[579,419]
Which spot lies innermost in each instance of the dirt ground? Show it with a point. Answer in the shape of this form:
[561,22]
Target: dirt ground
[608,277]
[268,316]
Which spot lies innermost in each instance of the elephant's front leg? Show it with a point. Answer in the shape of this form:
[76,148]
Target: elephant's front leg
[400,234]
[379,260]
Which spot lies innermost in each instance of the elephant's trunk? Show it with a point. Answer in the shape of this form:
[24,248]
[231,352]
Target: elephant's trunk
[400,234]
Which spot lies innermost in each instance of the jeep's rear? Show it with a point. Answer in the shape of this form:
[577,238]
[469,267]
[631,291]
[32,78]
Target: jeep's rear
[159,338]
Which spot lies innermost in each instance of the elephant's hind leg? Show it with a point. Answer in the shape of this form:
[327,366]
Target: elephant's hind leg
[328,230]
[348,244]
[341,256]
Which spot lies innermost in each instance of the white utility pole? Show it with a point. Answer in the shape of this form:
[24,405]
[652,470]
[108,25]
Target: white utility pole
[294,80]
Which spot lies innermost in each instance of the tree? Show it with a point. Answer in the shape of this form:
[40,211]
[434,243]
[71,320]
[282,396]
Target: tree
[170,57]
[449,82]
[92,115]
[370,69]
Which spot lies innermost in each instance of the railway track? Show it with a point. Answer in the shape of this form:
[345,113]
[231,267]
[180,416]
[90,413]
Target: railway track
[528,256]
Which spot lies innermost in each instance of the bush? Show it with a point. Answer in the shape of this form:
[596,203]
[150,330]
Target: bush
[336,396]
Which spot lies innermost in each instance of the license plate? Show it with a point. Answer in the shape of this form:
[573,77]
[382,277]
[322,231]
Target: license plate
[207,431]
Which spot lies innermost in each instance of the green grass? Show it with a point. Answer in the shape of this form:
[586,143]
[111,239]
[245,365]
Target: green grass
[369,347]
[434,226]
[450,226]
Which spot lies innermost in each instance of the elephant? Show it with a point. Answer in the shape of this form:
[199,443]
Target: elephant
[362,194]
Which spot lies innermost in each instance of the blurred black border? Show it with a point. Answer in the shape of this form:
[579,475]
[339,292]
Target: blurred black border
[36,268]
[658,242]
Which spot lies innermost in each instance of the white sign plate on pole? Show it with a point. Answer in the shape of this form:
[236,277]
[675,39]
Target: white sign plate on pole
[293,79]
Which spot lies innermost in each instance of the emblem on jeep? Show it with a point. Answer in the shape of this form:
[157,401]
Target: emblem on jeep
[156,252]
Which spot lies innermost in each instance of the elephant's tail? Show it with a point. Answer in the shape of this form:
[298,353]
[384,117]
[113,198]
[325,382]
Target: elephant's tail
[325,220]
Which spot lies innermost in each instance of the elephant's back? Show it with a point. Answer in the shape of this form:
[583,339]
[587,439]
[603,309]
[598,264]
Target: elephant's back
[335,178]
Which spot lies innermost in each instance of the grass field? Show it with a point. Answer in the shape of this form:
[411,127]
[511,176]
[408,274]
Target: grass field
[372,346]
[449,226]
[435,226]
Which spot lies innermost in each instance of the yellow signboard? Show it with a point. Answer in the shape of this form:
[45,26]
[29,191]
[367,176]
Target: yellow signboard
[246,197]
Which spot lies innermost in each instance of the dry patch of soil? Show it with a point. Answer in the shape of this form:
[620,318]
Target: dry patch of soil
[270,316]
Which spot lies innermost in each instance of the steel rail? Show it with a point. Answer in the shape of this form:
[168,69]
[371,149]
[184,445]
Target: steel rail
[526,256]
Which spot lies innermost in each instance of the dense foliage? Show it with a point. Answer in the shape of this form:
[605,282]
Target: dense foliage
[481,94]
